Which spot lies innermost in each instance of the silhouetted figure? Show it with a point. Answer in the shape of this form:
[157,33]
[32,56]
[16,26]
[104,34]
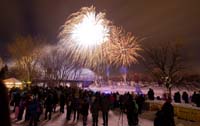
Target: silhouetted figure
[105,106]
[48,106]
[131,111]
[62,102]
[33,112]
[198,99]
[28,102]
[168,114]
[177,97]
[158,121]
[75,108]
[69,107]
[55,100]
[84,111]
[117,100]
[21,108]
[185,97]
[39,109]
[194,97]
[150,94]
[140,102]
[4,106]
[122,100]
[95,106]
[17,99]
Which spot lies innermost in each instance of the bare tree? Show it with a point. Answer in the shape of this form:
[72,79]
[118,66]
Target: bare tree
[165,61]
[57,66]
[25,52]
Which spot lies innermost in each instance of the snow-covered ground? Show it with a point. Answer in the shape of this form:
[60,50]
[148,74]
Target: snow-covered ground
[115,119]
[58,119]
[158,91]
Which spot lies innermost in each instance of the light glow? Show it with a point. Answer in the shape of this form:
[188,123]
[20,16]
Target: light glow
[90,31]
[83,36]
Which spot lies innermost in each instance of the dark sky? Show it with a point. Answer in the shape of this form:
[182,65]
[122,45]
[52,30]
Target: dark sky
[156,20]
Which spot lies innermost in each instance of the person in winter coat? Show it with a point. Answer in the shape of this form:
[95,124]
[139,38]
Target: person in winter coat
[55,101]
[198,99]
[49,106]
[75,108]
[69,107]
[150,94]
[185,97]
[62,102]
[140,102]
[131,111]
[21,108]
[168,113]
[158,121]
[4,106]
[105,106]
[94,109]
[39,109]
[84,111]
[177,97]
[33,112]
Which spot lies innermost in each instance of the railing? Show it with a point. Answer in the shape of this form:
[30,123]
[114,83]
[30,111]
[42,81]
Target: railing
[182,111]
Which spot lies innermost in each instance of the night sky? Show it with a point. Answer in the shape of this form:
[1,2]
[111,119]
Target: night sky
[155,20]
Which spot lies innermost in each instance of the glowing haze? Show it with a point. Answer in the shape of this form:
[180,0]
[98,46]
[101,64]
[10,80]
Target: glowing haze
[90,31]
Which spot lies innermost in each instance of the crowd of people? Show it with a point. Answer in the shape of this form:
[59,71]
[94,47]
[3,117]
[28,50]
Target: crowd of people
[36,101]
[178,98]
[194,98]
[165,116]
[78,103]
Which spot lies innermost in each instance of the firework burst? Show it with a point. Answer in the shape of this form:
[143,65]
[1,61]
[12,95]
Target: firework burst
[90,40]
[123,48]
[83,34]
